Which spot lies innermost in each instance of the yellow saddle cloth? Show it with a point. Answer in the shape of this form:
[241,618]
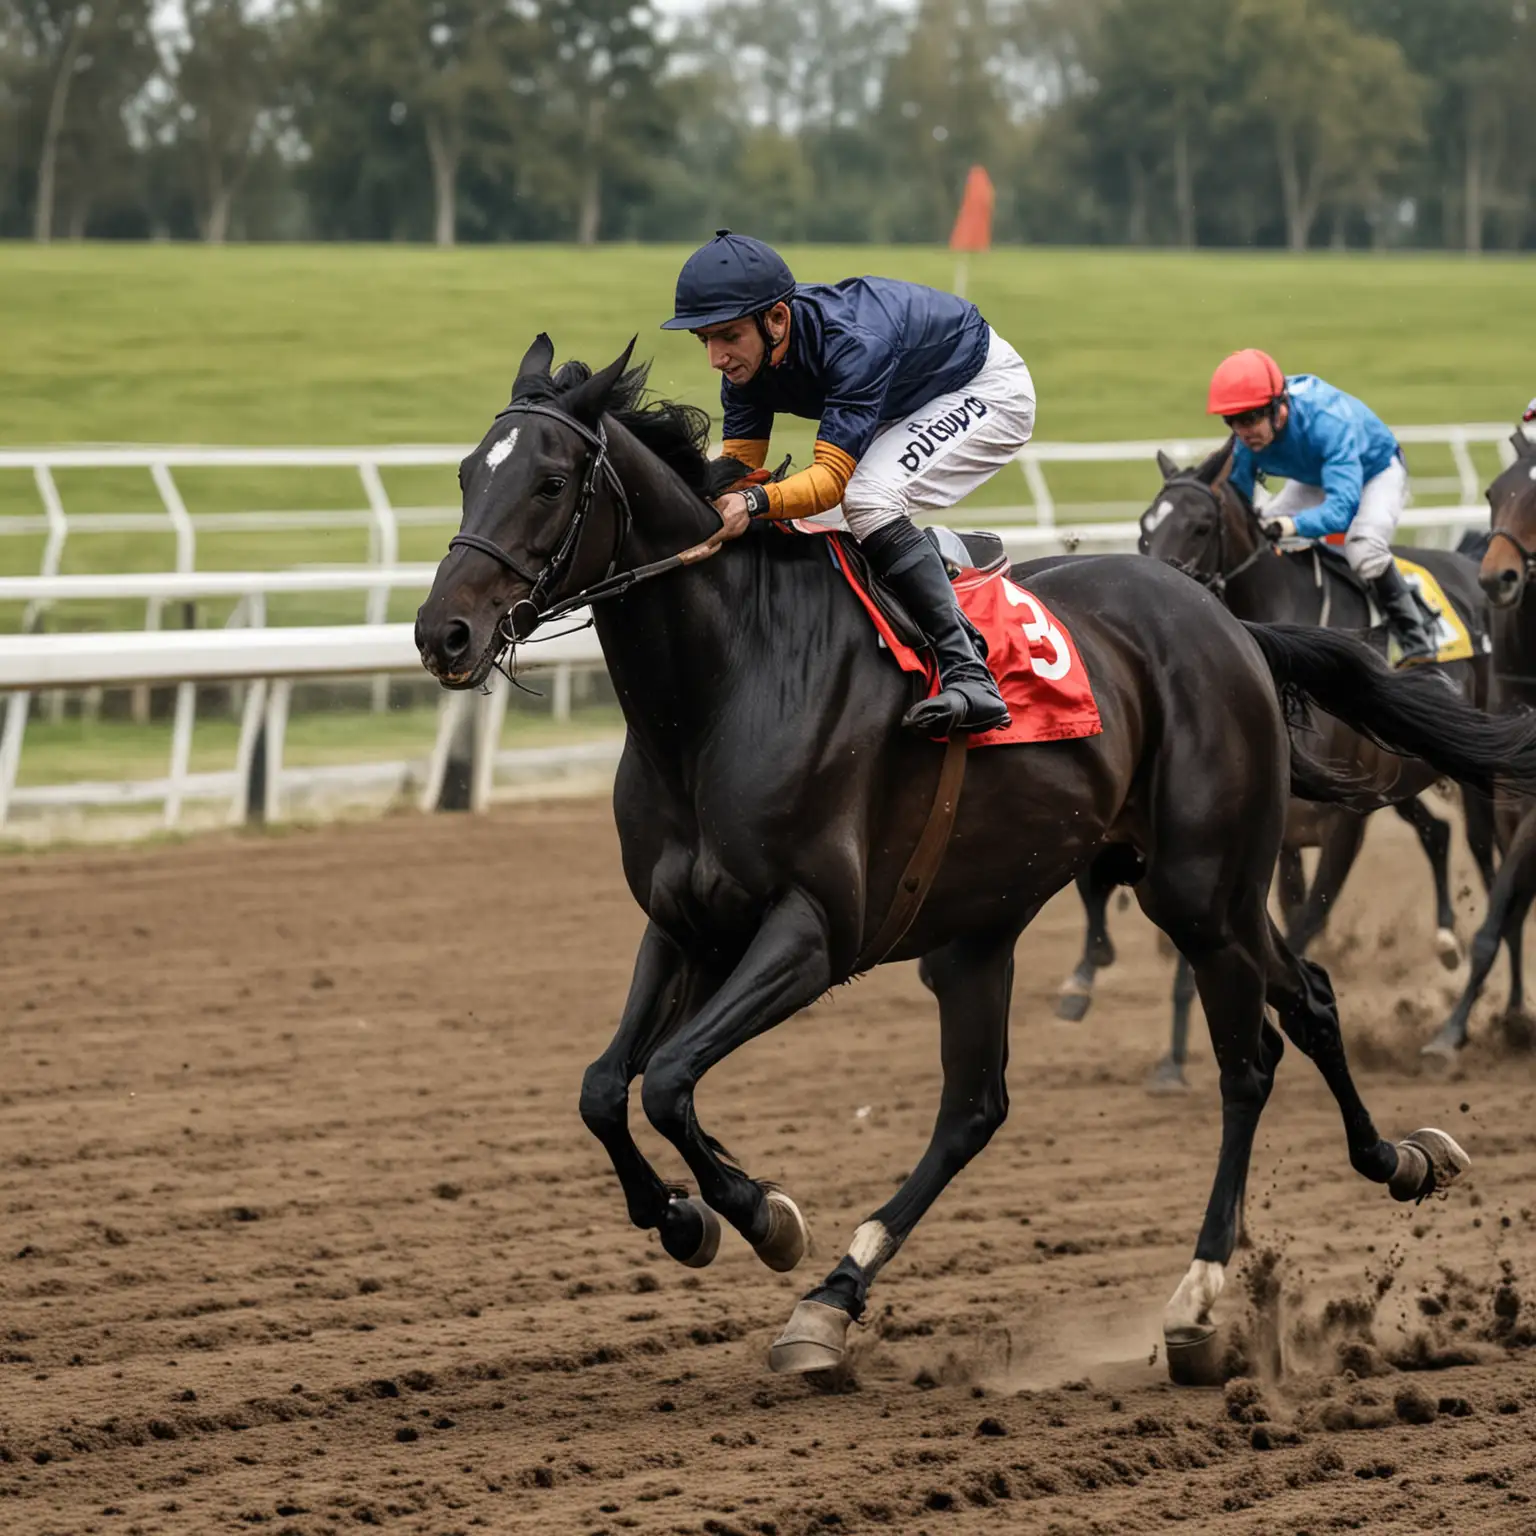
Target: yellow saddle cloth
[1452,641]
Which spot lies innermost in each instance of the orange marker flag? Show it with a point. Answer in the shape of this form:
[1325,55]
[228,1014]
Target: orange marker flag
[973,227]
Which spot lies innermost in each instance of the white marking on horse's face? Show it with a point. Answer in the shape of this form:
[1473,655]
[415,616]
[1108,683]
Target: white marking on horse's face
[1150,520]
[502,451]
[1533,471]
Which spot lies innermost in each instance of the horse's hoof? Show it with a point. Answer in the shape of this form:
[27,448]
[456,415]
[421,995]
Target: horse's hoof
[814,1339]
[1448,948]
[1167,1077]
[1072,1004]
[687,1214]
[788,1239]
[1443,1049]
[1428,1163]
[1196,1355]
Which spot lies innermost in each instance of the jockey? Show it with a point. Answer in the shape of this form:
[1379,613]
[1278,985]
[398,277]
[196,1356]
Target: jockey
[918,400]
[1343,469]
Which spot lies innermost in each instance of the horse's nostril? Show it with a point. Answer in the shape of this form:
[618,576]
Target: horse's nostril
[456,637]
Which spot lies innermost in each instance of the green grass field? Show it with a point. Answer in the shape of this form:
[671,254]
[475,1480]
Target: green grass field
[347,344]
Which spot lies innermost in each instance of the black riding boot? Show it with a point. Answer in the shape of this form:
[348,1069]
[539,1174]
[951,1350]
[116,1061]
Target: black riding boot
[1405,619]
[905,559]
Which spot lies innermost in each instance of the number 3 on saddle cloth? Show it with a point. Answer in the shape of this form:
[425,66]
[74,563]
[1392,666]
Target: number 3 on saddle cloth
[1038,670]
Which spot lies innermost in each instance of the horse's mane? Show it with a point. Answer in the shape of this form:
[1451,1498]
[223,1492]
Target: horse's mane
[677,434]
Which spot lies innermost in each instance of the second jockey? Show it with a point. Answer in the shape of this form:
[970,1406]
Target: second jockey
[1343,469]
[918,401]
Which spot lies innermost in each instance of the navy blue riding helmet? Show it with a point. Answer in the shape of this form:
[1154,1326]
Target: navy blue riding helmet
[730,278]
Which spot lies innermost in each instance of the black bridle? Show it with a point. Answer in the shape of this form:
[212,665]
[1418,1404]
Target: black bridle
[544,581]
[1527,556]
[1215,581]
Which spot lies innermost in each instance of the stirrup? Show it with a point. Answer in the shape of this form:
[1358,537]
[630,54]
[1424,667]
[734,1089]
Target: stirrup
[939,715]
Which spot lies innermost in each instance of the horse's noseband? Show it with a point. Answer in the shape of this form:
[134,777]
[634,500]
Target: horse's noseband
[543,582]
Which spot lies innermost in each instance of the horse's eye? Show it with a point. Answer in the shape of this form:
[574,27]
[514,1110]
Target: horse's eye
[552,486]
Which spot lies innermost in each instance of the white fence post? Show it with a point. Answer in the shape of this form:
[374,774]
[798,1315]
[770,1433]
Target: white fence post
[385,543]
[181,750]
[16,707]
[246,804]
[276,731]
[176,510]
[1039,491]
[58,532]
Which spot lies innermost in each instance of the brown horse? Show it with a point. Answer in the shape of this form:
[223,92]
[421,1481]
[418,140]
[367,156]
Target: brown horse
[768,804]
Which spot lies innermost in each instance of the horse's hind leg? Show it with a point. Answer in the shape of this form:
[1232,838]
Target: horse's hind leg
[1338,848]
[1300,992]
[1076,995]
[1508,901]
[1435,839]
[785,967]
[664,988]
[973,978]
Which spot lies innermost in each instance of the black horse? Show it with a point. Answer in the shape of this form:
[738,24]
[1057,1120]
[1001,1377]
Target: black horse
[768,805]
[1507,565]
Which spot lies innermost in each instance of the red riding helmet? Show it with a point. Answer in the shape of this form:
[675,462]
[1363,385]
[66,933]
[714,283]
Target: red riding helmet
[1246,381]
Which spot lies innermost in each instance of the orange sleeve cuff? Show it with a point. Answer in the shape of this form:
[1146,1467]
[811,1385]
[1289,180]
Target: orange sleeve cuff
[813,490]
[752,451]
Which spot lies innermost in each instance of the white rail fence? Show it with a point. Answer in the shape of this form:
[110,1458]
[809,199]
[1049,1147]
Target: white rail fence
[384,519]
[270,660]
[459,771]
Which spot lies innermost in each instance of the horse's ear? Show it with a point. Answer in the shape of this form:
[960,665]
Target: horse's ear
[1218,466]
[536,360]
[1166,466]
[1525,447]
[588,401]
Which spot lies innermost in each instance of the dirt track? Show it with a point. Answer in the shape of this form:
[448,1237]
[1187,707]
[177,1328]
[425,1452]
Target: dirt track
[303,1234]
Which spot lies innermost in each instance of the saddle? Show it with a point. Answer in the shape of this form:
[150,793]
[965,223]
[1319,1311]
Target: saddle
[978,551]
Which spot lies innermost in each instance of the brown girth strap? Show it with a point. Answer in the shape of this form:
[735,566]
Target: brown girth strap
[918,877]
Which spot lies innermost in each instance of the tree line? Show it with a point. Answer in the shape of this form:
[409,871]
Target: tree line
[1287,123]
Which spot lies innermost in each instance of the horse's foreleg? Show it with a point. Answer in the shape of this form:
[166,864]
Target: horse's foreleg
[1076,995]
[662,989]
[1301,994]
[1435,838]
[973,979]
[1511,895]
[786,966]
[1339,848]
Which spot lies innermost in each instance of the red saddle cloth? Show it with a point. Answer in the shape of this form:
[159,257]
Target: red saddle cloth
[1038,670]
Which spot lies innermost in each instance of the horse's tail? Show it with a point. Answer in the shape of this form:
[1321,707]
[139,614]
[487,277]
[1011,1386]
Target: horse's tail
[1412,712]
